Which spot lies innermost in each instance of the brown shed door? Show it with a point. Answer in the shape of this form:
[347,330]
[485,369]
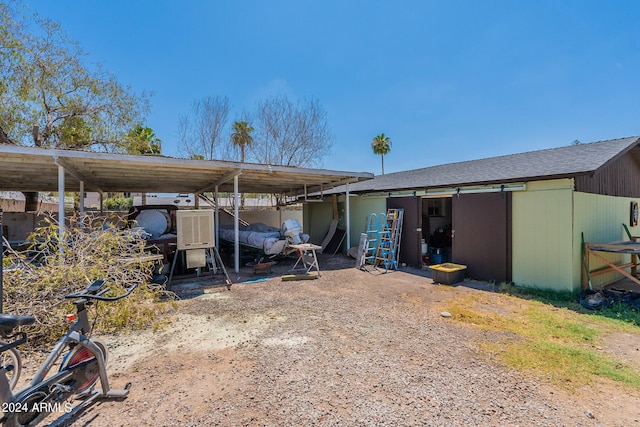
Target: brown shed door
[482,235]
[411,234]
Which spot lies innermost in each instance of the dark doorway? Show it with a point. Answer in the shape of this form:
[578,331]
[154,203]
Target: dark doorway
[436,228]
[482,235]
[411,232]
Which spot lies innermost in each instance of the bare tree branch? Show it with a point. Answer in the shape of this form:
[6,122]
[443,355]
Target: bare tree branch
[291,134]
[202,131]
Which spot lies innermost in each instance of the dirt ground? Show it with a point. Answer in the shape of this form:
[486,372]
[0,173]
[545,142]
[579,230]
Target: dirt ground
[351,348]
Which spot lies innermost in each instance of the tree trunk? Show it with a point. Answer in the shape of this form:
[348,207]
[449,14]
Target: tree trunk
[4,138]
[30,201]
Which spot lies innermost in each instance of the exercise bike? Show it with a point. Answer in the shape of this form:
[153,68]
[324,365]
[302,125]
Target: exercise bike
[83,363]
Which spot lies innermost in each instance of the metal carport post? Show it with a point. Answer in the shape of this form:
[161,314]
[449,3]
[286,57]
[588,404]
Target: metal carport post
[348,218]
[236,226]
[60,208]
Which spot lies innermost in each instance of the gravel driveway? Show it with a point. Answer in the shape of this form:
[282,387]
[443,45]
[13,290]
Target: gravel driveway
[351,349]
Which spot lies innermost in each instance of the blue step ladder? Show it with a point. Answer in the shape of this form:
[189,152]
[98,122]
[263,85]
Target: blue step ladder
[372,239]
[386,251]
[390,234]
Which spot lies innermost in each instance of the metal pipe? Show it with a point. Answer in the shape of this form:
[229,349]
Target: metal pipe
[236,227]
[81,197]
[60,208]
[348,218]
[216,216]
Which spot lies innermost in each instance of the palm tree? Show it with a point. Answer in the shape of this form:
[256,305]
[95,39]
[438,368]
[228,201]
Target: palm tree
[142,140]
[381,144]
[241,136]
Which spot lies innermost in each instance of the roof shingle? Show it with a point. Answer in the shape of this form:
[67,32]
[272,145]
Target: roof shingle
[550,163]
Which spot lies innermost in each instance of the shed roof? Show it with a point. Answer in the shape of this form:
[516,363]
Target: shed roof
[562,162]
[36,169]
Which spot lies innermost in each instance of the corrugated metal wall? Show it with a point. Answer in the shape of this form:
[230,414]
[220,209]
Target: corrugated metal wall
[542,235]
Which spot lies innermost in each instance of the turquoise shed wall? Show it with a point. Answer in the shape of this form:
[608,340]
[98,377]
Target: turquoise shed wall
[317,218]
[318,215]
[361,208]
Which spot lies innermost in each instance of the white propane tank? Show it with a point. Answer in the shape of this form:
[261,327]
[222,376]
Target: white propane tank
[425,247]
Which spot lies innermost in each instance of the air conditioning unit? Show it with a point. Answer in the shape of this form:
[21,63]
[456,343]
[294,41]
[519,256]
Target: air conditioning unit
[195,229]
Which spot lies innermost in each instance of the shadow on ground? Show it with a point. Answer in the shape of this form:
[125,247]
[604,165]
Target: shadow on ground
[192,285]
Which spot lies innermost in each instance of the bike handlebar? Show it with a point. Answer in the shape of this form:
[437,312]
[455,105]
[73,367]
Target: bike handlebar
[95,291]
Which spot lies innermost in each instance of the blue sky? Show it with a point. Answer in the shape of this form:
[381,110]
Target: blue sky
[445,80]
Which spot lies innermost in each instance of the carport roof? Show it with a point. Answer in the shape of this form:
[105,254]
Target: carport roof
[36,169]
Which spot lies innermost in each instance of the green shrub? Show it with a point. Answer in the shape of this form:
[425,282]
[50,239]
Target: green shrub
[119,203]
